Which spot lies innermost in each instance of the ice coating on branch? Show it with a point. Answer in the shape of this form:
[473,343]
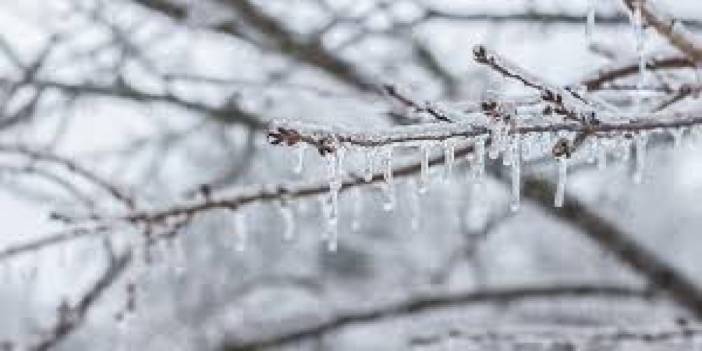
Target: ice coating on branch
[640,144]
[424,168]
[389,186]
[516,173]
[562,179]
[449,158]
[241,231]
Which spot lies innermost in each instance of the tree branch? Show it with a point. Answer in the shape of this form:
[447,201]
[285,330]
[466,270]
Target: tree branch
[422,304]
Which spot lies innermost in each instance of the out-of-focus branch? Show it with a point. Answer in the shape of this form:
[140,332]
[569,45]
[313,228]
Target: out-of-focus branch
[421,304]
[71,166]
[625,248]
[228,114]
[70,317]
[671,29]
[311,52]
[569,338]
[50,240]
[608,74]
[538,18]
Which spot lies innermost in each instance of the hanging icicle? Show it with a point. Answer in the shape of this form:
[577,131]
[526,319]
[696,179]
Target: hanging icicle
[640,144]
[357,209]
[590,25]
[601,155]
[335,172]
[241,230]
[368,171]
[288,216]
[424,168]
[300,159]
[677,137]
[449,158]
[562,179]
[389,186]
[593,150]
[415,208]
[515,152]
[498,135]
[478,164]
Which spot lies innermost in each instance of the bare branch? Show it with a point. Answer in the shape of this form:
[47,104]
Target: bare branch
[422,304]
[70,317]
[669,28]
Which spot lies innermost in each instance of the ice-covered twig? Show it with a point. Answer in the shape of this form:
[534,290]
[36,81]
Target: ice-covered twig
[427,107]
[327,140]
[567,102]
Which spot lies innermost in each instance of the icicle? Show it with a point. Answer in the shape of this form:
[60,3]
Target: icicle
[286,212]
[424,169]
[562,179]
[300,161]
[601,155]
[357,210]
[516,173]
[389,188]
[325,205]
[641,141]
[527,147]
[179,257]
[241,230]
[590,26]
[508,155]
[415,208]
[449,157]
[335,182]
[333,236]
[6,273]
[677,137]
[593,149]
[368,172]
[498,134]
[478,164]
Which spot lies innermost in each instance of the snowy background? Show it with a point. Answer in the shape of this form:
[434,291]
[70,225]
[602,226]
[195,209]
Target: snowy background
[104,103]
